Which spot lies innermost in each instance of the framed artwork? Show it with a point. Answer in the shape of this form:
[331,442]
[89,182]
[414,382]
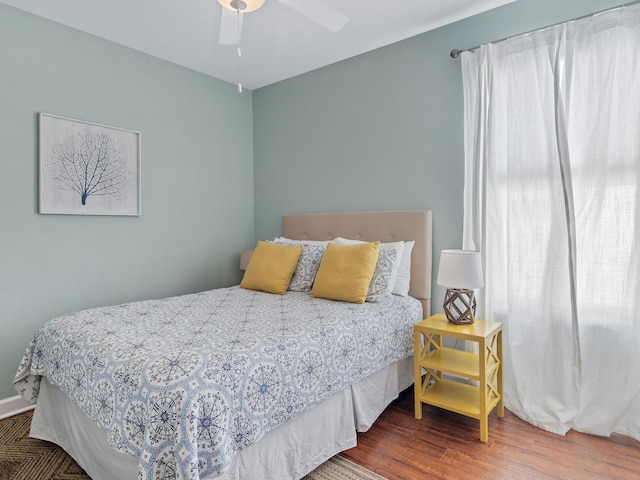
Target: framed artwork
[88,169]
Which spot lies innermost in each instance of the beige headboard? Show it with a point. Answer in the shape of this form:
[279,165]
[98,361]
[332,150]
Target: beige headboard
[386,226]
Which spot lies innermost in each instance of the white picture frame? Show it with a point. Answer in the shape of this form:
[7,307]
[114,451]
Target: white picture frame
[87,168]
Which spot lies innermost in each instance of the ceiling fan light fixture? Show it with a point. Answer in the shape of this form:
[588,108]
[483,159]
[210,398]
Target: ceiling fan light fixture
[244,6]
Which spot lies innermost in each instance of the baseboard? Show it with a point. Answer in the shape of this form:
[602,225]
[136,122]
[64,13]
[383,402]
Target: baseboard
[13,405]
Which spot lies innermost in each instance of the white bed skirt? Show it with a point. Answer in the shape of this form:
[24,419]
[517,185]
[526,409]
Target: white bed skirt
[287,452]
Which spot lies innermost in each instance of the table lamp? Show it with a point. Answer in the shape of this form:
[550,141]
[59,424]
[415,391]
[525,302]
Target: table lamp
[460,271]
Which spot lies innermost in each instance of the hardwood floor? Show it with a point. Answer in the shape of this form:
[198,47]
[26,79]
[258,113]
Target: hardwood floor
[445,445]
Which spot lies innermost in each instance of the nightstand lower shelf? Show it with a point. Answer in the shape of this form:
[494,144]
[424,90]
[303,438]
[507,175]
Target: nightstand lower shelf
[458,397]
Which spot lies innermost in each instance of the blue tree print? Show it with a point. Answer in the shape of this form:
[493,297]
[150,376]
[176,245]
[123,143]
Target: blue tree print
[89,164]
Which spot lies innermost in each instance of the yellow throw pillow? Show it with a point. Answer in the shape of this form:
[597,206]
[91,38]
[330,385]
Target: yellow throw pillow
[271,267]
[345,272]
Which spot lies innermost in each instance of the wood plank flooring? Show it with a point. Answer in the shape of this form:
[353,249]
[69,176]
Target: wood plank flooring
[445,445]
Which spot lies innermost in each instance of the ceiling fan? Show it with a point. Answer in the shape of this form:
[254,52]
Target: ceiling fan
[318,12]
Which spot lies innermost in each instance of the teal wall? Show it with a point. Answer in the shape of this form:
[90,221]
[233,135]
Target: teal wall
[383,130]
[379,131]
[197,180]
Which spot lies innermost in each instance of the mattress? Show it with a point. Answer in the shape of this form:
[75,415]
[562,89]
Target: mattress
[181,385]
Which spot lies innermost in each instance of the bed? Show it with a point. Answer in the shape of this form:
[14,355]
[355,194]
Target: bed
[209,407]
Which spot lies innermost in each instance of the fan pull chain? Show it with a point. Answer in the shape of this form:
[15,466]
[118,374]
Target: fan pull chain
[239,52]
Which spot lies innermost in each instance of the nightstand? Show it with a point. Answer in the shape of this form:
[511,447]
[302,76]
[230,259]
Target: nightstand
[474,399]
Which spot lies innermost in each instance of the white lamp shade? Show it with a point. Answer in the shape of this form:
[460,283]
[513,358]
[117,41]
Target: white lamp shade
[460,269]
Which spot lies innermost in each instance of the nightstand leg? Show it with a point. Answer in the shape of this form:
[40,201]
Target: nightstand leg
[482,390]
[417,373]
[484,428]
[500,384]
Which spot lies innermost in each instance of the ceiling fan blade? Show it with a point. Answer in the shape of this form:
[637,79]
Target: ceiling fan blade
[229,30]
[318,12]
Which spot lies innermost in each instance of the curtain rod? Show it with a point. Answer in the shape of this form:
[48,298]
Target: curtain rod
[455,52]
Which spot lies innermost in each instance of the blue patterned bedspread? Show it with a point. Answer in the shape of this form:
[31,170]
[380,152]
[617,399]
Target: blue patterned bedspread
[183,383]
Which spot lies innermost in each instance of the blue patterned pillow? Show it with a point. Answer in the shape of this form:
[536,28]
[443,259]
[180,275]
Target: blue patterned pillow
[383,277]
[308,263]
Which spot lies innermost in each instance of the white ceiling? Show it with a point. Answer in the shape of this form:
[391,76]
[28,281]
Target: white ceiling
[277,42]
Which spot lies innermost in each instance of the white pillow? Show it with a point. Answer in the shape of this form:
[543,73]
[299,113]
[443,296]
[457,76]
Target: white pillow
[300,242]
[403,278]
[384,276]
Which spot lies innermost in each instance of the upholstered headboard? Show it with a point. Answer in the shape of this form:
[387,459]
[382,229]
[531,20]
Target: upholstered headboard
[386,226]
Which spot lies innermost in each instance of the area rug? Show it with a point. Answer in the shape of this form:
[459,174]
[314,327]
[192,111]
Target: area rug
[339,468]
[26,458]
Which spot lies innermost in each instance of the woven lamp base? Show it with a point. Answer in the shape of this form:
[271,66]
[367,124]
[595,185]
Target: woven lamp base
[459,306]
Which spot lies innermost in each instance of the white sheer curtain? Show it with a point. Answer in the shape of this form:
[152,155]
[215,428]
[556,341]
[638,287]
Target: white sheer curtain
[552,200]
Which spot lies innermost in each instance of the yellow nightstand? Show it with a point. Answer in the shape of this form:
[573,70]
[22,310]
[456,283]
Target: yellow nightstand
[485,367]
